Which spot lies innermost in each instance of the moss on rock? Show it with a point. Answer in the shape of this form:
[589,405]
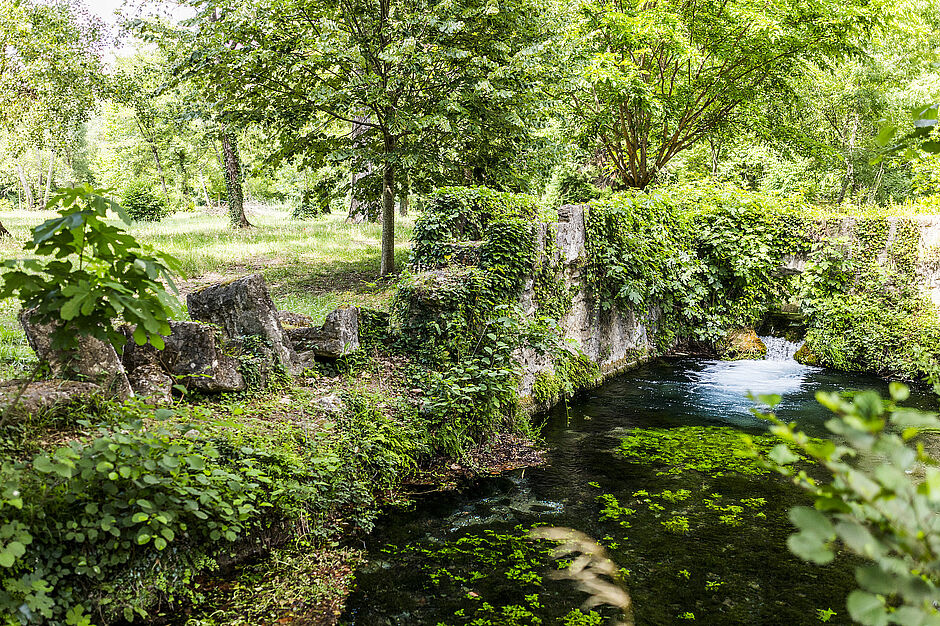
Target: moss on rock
[742,343]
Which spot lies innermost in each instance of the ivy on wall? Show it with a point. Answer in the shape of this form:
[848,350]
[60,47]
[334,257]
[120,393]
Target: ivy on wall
[865,311]
[703,260]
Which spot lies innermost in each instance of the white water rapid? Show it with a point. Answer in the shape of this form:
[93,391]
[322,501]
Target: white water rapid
[779,349]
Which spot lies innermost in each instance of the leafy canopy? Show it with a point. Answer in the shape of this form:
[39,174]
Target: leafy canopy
[654,78]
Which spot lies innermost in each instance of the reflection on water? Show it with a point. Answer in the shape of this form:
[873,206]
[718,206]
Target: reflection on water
[733,574]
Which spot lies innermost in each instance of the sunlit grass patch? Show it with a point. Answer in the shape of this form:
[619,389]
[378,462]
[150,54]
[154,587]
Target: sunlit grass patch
[311,266]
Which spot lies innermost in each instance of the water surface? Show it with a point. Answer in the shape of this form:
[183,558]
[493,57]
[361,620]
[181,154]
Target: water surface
[461,558]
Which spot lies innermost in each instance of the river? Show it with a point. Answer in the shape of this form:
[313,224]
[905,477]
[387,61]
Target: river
[704,547]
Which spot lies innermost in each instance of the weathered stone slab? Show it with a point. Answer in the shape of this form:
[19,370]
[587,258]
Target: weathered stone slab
[151,383]
[242,308]
[194,354]
[290,319]
[93,360]
[47,397]
[338,336]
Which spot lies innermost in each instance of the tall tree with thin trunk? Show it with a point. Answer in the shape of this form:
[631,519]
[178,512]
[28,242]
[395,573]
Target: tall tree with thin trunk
[410,76]
[233,178]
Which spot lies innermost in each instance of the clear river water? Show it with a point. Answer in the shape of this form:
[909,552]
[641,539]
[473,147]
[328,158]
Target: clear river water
[696,547]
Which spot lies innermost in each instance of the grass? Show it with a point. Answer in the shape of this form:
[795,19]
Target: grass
[311,266]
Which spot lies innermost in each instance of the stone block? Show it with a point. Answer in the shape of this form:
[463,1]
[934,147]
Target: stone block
[152,384]
[196,354]
[338,336]
[243,308]
[93,360]
[47,397]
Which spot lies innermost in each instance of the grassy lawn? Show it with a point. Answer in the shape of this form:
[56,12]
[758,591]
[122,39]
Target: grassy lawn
[311,266]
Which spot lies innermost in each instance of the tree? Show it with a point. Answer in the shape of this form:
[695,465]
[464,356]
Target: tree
[656,78]
[49,73]
[412,76]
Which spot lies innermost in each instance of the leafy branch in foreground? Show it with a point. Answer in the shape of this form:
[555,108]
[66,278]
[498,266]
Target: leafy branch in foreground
[89,273]
[882,503]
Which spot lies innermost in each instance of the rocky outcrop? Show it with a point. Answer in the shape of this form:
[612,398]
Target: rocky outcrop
[47,397]
[238,336]
[152,384]
[741,344]
[90,360]
[338,336]
[195,354]
[244,308]
[615,339]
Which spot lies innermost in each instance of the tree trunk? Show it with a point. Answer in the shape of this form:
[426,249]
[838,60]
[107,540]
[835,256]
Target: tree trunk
[874,188]
[360,209]
[45,195]
[4,232]
[714,148]
[38,174]
[850,163]
[27,192]
[205,189]
[156,159]
[403,197]
[388,220]
[233,181]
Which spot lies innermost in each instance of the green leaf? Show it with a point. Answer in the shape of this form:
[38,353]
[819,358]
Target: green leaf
[866,608]
[782,455]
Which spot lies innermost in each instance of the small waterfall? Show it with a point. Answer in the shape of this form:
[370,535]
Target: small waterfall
[779,349]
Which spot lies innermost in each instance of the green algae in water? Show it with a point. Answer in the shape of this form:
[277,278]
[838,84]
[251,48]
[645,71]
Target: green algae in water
[711,450]
[489,578]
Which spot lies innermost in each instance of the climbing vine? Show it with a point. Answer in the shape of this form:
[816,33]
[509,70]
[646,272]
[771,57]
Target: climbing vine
[702,261]
[864,310]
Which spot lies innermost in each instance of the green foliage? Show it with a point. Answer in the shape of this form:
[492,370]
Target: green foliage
[573,186]
[476,395]
[704,257]
[110,517]
[709,450]
[455,215]
[653,79]
[316,200]
[142,204]
[863,308]
[92,273]
[881,503]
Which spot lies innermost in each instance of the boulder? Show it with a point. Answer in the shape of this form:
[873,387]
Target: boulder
[151,383]
[805,356]
[47,397]
[244,308]
[288,319]
[338,336]
[195,353]
[743,343]
[92,360]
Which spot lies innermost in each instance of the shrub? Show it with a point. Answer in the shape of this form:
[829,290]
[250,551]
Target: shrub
[141,204]
[92,274]
[882,502]
[125,515]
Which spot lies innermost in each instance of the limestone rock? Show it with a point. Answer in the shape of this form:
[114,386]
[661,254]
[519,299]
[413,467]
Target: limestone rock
[47,396]
[243,308]
[338,336]
[151,383]
[194,354]
[92,360]
[805,356]
[328,404]
[742,343]
[288,318]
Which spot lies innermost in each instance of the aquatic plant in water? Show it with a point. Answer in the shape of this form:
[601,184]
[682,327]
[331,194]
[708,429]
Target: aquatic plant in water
[710,450]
